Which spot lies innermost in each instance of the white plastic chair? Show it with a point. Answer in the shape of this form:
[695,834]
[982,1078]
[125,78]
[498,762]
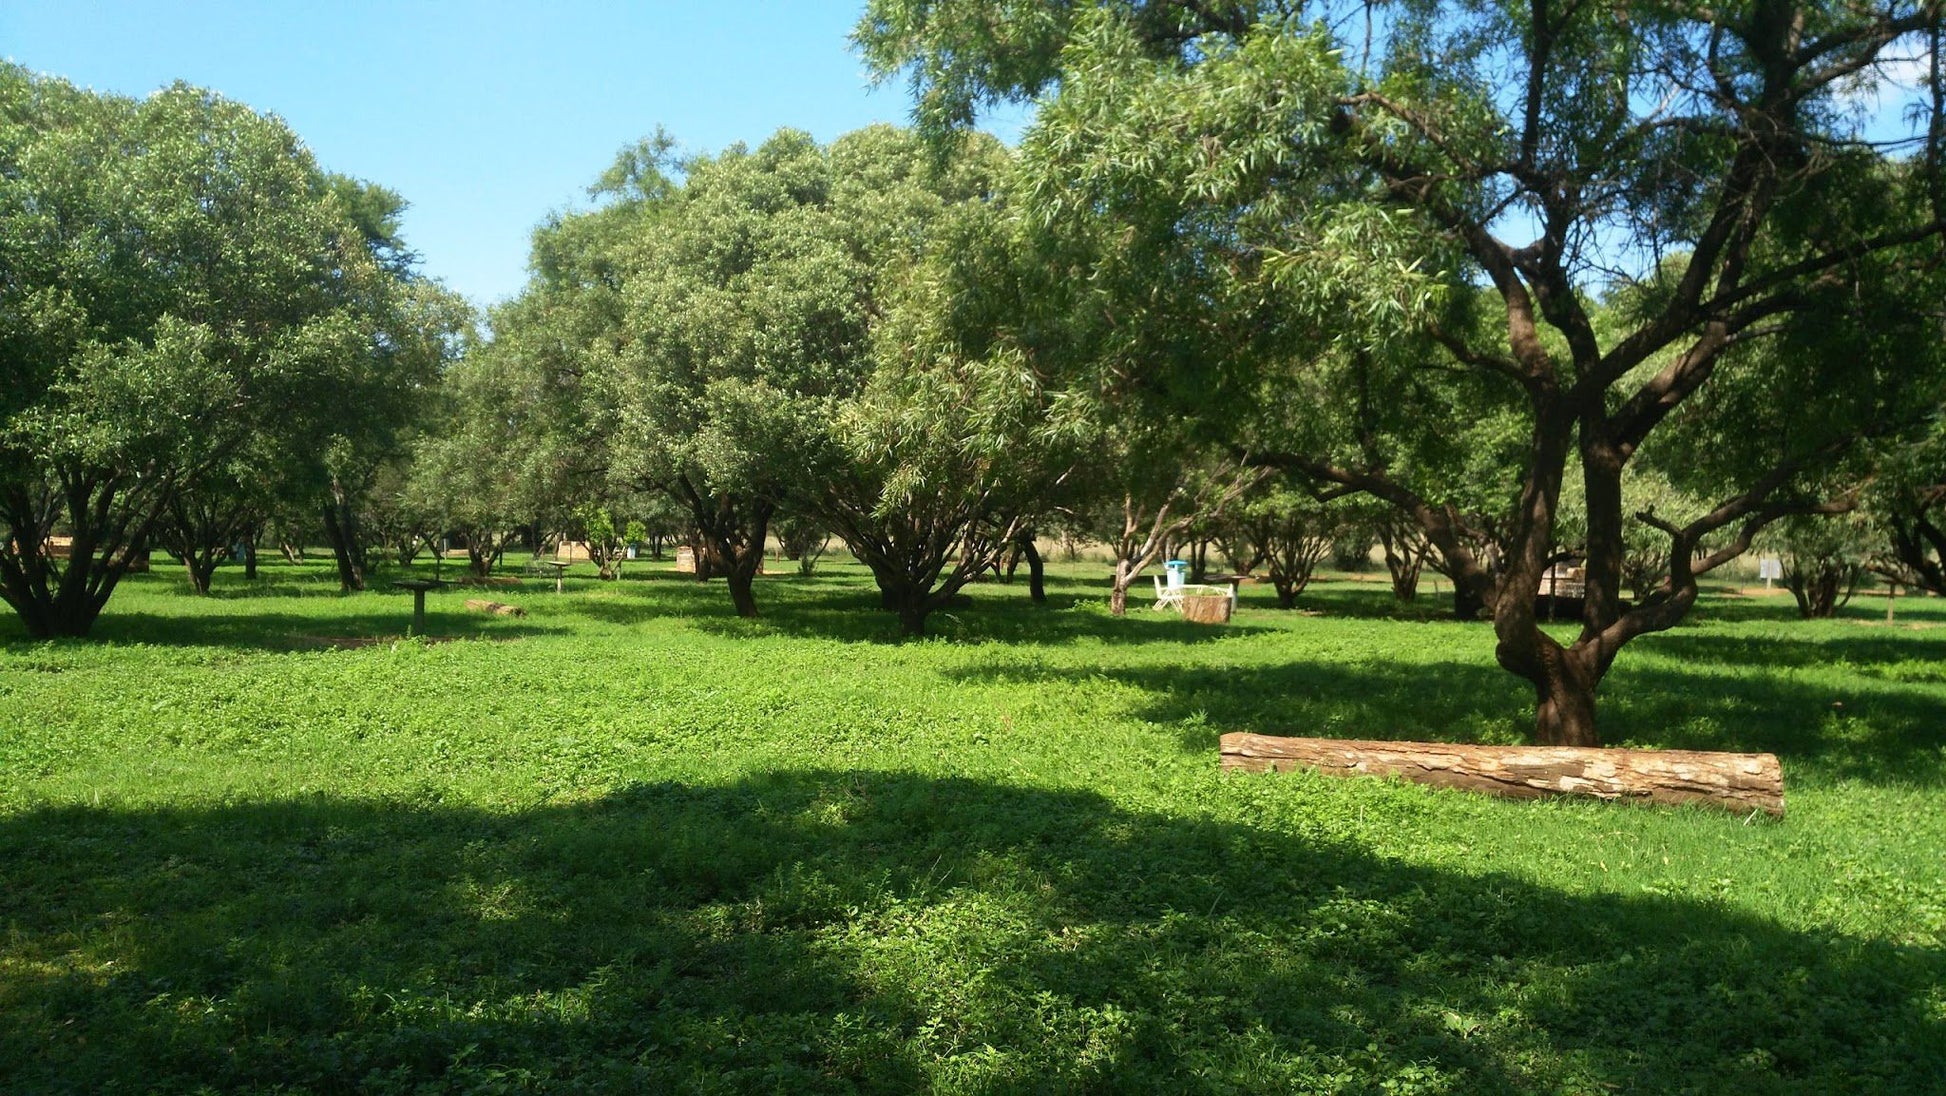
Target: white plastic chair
[1167,596]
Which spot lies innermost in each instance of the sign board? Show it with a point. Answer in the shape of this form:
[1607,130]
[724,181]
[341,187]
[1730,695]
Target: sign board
[1768,569]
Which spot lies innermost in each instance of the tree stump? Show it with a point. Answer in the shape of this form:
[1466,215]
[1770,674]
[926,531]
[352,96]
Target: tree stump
[1206,608]
[1731,781]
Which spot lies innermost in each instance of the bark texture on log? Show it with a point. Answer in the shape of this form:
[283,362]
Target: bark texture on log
[1206,608]
[1732,781]
[482,605]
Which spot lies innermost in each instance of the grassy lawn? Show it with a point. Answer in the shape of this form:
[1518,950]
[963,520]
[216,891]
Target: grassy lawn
[632,843]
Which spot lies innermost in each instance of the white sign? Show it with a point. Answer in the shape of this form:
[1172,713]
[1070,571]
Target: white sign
[1768,569]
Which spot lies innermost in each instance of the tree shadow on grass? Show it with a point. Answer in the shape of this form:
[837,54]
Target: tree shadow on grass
[1728,602]
[280,616]
[1362,600]
[1890,734]
[846,608]
[1868,650]
[820,931]
[1437,702]
[1371,599]
[298,630]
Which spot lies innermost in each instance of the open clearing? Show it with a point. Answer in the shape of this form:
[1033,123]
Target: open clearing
[644,845]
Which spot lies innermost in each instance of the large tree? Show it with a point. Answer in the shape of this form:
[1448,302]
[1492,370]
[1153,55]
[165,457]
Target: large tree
[742,314]
[168,266]
[487,460]
[752,293]
[339,429]
[207,518]
[1364,174]
[943,459]
[559,342]
[368,406]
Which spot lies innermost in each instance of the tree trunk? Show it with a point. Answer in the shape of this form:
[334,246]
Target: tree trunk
[1405,584]
[1404,559]
[1732,781]
[742,593]
[63,598]
[250,557]
[912,618]
[1564,701]
[71,618]
[60,615]
[1036,570]
[201,566]
[341,530]
[1118,597]
[735,548]
[1821,586]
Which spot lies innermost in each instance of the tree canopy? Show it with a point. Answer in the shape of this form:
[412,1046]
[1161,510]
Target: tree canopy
[175,272]
[1605,216]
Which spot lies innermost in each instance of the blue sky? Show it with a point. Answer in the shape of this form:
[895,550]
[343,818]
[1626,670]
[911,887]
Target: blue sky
[485,116]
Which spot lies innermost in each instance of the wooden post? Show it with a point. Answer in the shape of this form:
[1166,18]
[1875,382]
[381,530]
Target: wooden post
[1731,781]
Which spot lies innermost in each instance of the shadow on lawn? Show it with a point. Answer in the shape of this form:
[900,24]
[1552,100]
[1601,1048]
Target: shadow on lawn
[1863,646]
[1370,598]
[847,609]
[298,630]
[1892,734]
[1366,599]
[1444,701]
[829,931]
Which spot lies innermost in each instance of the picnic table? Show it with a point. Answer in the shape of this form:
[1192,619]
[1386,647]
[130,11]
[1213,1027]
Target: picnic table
[418,586]
[560,568]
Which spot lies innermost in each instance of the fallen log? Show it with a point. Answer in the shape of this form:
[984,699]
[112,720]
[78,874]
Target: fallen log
[1738,782]
[482,605]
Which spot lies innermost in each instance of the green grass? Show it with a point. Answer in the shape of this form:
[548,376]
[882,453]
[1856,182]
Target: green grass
[632,843]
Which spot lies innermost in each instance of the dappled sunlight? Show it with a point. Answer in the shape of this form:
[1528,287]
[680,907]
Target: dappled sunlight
[655,846]
[822,930]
